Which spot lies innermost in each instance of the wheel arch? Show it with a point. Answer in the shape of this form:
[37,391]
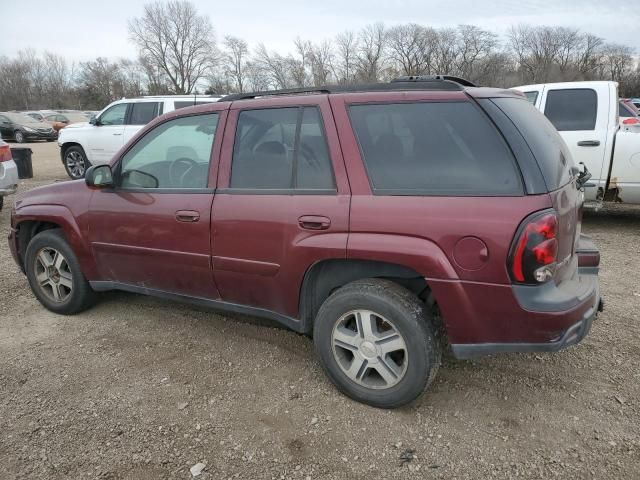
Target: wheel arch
[30,221]
[324,277]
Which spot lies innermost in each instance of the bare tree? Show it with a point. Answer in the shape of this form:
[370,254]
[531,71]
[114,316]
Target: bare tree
[475,45]
[274,66]
[236,55]
[410,47]
[321,60]
[173,37]
[344,66]
[371,53]
[617,60]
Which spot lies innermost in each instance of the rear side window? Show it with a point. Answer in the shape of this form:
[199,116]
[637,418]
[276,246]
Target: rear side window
[282,149]
[546,144]
[447,148]
[143,112]
[572,110]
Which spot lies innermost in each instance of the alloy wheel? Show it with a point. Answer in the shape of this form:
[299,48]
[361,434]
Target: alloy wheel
[369,349]
[53,274]
[75,164]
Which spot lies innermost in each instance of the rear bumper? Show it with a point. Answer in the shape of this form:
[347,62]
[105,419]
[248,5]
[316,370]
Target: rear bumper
[485,319]
[571,336]
[8,178]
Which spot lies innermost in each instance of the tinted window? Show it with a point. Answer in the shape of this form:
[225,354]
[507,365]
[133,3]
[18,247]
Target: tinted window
[571,110]
[545,142]
[281,148]
[433,149]
[531,96]
[115,115]
[175,154]
[143,112]
[188,103]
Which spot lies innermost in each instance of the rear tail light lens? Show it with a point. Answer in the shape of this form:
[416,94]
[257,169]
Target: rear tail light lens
[631,121]
[5,153]
[535,250]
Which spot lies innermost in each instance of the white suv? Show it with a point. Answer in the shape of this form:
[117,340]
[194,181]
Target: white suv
[8,172]
[86,144]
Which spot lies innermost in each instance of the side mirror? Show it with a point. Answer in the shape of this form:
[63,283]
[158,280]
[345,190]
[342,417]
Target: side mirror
[94,121]
[99,176]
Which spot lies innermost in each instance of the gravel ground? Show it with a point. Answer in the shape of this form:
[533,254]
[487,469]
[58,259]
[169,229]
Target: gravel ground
[141,388]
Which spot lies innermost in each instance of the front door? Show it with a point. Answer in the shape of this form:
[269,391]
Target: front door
[106,137]
[279,208]
[583,123]
[152,230]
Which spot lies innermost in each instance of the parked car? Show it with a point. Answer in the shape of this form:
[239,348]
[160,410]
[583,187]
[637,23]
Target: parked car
[586,115]
[35,115]
[60,120]
[636,102]
[628,117]
[376,218]
[8,173]
[22,128]
[94,143]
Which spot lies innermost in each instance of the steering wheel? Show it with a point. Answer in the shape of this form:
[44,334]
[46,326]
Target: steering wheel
[177,173]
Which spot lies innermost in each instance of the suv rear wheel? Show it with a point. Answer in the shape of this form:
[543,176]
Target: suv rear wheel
[75,162]
[377,342]
[54,274]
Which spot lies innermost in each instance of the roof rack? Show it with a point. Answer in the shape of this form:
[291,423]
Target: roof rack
[417,82]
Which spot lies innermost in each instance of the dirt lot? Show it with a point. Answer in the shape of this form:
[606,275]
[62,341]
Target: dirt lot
[141,388]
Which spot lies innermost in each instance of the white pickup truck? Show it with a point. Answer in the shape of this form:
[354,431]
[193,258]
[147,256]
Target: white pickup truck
[586,115]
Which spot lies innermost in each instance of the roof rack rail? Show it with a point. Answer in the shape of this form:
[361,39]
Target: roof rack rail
[414,82]
[434,78]
[286,91]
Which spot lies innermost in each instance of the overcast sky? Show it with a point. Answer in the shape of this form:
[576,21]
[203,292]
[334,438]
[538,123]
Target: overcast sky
[85,29]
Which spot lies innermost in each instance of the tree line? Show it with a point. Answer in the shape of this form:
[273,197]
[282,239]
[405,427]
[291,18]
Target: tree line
[177,53]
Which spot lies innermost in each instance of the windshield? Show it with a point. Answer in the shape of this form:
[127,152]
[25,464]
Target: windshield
[21,118]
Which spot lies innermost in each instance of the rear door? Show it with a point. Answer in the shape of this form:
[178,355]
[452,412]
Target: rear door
[581,115]
[282,203]
[138,116]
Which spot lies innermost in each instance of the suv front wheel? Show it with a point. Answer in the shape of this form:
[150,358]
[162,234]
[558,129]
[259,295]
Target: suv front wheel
[75,162]
[377,342]
[54,274]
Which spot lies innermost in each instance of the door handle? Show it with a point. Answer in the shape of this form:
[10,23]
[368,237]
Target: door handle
[117,134]
[314,222]
[589,143]
[188,216]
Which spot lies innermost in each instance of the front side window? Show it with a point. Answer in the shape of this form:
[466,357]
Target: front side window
[433,148]
[572,110]
[175,154]
[115,115]
[281,148]
[143,112]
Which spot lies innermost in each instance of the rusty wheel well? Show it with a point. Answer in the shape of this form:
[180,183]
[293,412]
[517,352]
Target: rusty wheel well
[324,277]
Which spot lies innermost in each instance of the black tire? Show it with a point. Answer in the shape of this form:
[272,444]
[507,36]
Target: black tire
[80,296]
[19,137]
[75,162]
[50,139]
[409,316]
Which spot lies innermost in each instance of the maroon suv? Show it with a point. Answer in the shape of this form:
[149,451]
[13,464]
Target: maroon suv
[384,220]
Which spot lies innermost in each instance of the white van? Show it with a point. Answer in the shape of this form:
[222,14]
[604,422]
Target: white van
[85,144]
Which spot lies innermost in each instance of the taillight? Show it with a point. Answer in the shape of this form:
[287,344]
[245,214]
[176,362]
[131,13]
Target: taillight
[631,121]
[535,249]
[5,153]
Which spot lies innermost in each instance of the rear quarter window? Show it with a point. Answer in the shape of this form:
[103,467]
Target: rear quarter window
[544,141]
[433,148]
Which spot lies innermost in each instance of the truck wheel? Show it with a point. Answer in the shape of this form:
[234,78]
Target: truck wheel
[19,137]
[54,274]
[75,162]
[377,342]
